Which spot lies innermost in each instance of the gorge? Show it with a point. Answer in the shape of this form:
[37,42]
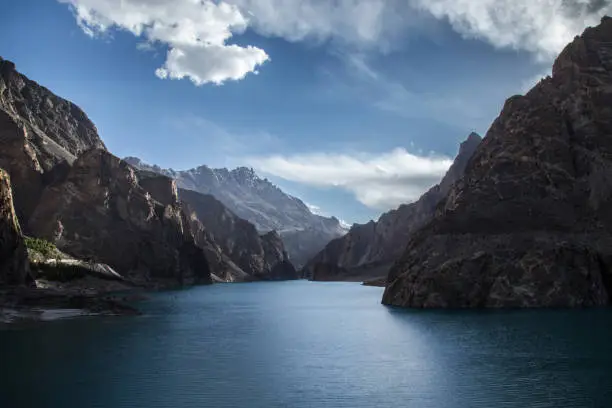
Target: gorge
[124,284]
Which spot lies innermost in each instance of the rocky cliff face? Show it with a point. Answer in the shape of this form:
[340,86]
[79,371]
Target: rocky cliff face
[262,204]
[101,213]
[260,257]
[40,135]
[369,250]
[14,265]
[530,223]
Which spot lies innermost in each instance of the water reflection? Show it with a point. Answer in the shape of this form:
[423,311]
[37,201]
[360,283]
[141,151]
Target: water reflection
[304,344]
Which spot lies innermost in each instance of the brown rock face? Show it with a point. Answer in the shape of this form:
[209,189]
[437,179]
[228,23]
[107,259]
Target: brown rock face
[161,188]
[530,223]
[369,250]
[222,268]
[260,257]
[101,213]
[14,265]
[40,134]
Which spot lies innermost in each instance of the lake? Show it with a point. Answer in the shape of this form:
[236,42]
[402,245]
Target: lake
[307,344]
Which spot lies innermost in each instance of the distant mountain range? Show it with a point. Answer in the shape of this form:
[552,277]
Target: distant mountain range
[67,189]
[260,202]
[367,251]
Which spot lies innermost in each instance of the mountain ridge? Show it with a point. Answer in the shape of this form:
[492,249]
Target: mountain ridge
[368,250]
[260,202]
[529,224]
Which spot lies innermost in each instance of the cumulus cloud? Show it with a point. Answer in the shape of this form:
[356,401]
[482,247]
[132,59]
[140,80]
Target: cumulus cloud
[360,23]
[378,181]
[542,27]
[196,33]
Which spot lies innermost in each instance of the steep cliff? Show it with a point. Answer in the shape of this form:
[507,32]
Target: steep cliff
[530,223]
[101,213]
[367,251]
[14,265]
[260,257]
[261,203]
[40,135]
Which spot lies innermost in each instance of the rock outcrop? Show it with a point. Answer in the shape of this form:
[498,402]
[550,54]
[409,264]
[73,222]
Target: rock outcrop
[40,135]
[530,223]
[367,251]
[261,203]
[260,257]
[14,265]
[101,213]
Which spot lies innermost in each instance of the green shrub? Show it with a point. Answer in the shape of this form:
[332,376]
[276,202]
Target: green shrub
[43,247]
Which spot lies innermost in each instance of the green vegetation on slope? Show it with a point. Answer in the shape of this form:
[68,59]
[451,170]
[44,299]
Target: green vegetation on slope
[42,247]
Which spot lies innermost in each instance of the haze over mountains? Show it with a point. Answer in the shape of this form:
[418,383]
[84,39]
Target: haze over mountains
[260,202]
[367,251]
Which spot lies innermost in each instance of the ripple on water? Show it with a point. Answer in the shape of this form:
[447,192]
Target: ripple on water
[303,344]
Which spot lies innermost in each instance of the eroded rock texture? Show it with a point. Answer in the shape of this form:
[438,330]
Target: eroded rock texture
[14,265]
[530,223]
[40,135]
[101,213]
[260,257]
[369,250]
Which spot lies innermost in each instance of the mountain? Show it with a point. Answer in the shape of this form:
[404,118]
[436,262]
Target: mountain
[69,190]
[260,257]
[260,202]
[40,135]
[14,265]
[530,223]
[101,213]
[369,250]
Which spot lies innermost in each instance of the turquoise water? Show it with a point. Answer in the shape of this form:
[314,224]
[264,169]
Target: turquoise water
[305,344]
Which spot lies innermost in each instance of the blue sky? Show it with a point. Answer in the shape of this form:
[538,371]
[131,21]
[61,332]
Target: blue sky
[355,106]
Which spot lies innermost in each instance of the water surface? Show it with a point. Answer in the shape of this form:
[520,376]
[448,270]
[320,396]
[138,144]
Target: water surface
[306,344]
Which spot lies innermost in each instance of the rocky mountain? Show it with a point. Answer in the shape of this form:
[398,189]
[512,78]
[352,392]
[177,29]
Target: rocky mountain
[260,257]
[369,250]
[97,208]
[101,213]
[530,223]
[260,202]
[40,135]
[14,265]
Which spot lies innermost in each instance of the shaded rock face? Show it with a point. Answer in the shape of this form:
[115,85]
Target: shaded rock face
[530,223]
[260,257]
[14,265]
[101,213]
[161,188]
[261,203]
[40,135]
[222,268]
[369,250]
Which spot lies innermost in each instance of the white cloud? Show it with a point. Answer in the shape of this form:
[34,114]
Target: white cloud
[379,181]
[542,27]
[360,23]
[196,33]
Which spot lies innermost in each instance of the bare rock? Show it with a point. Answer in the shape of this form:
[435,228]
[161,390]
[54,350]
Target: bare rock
[530,223]
[14,265]
[260,257]
[40,135]
[101,213]
[367,251]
